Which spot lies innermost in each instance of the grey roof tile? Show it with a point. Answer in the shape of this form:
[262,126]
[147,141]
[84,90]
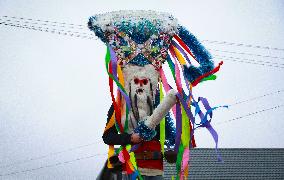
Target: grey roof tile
[239,163]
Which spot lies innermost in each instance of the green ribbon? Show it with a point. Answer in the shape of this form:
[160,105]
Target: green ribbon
[107,61]
[209,78]
[185,135]
[162,123]
[179,160]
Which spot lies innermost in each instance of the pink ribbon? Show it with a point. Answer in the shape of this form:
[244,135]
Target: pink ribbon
[121,157]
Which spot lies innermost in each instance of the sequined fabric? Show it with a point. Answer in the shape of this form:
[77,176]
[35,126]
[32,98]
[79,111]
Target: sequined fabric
[137,37]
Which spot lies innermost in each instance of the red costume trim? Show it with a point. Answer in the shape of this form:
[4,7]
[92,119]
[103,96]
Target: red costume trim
[149,163]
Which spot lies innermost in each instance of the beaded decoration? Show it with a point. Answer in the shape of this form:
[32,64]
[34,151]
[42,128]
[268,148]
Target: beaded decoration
[137,37]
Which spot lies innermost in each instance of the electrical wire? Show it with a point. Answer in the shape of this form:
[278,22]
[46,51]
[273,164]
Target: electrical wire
[51,165]
[250,114]
[242,45]
[48,155]
[49,25]
[257,97]
[86,145]
[80,35]
[80,26]
[251,61]
[54,31]
[249,54]
[88,157]
[44,22]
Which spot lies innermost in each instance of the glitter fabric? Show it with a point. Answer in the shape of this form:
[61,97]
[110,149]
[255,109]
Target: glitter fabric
[143,37]
[201,54]
[137,37]
[145,132]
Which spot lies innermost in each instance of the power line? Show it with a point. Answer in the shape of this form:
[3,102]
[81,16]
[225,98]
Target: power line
[49,25]
[250,114]
[248,62]
[88,157]
[50,165]
[243,45]
[78,34]
[80,26]
[54,31]
[66,33]
[55,23]
[251,61]
[39,23]
[250,54]
[82,146]
[257,97]
[48,155]
[86,145]
[45,25]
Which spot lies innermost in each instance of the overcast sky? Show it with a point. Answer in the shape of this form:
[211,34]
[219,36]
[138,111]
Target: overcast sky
[54,93]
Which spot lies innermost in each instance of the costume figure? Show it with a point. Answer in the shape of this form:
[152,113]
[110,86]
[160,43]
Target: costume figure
[140,118]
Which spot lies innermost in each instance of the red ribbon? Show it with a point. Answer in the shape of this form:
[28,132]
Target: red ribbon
[197,80]
[116,108]
[184,46]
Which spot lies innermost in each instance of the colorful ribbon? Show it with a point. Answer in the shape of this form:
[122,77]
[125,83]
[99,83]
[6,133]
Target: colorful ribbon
[162,124]
[113,70]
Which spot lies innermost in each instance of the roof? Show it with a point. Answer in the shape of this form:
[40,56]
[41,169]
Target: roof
[239,163]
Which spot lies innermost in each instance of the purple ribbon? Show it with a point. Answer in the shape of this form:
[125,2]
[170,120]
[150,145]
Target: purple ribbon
[134,147]
[206,105]
[187,110]
[178,127]
[215,137]
[114,73]
[206,123]
[181,50]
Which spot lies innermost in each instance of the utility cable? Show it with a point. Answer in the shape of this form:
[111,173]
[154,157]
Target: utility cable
[48,155]
[45,22]
[80,26]
[250,114]
[54,31]
[242,45]
[250,61]
[51,165]
[249,54]
[257,97]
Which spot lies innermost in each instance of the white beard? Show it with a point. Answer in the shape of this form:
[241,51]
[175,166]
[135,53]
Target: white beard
[144,108]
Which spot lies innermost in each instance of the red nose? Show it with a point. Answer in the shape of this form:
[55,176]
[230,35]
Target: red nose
[141,81]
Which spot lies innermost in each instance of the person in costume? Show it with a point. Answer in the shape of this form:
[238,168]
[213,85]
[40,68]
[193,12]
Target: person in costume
[138,44]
